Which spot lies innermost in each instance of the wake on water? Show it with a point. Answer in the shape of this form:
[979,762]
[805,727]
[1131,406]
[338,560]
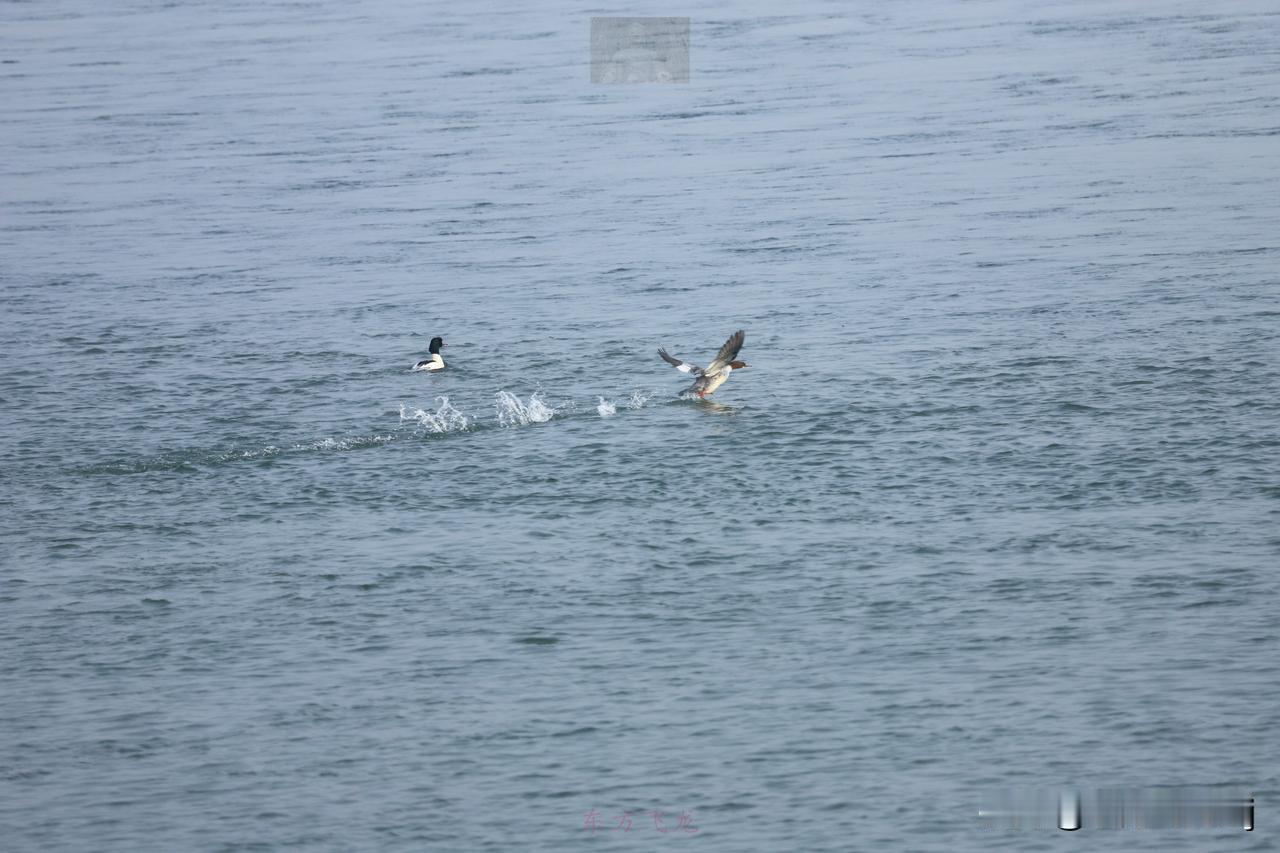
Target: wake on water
[446,418]
[511,411]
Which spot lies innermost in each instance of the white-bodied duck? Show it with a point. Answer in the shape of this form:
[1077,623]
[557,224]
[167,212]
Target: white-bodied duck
[436,362]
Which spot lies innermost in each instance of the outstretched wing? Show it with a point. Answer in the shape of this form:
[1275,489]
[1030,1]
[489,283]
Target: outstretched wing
[727,353]
[682,366]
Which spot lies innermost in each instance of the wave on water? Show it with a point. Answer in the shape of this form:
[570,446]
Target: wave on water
[513,412]
[606,409]
[446,417]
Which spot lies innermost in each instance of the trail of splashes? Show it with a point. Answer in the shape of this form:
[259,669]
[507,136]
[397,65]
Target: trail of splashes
[635,401]
[195,459]
[446,418]
[513,412]
[352,443]
[638,399]
[343,443]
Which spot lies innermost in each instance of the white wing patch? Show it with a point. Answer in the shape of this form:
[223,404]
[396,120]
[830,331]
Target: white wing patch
[682,366]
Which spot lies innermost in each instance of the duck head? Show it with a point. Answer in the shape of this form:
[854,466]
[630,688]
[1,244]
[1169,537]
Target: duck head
[436,343]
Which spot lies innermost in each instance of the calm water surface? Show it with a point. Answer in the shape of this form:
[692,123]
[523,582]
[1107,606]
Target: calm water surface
[996,503]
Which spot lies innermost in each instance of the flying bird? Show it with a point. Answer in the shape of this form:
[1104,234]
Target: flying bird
[714,374]
[436,362]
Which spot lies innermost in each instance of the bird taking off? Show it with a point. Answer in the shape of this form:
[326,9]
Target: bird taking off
[711,377]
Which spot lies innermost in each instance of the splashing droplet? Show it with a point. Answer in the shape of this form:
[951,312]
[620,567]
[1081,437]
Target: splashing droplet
[446,418]
[513,412]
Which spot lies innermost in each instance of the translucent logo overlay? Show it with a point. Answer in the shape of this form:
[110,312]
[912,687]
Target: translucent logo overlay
[639,50]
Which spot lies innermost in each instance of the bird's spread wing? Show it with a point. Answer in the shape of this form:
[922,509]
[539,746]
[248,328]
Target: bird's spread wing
[727,353]
[682,366]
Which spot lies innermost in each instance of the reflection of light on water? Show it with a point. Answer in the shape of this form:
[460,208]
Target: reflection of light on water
[708,406]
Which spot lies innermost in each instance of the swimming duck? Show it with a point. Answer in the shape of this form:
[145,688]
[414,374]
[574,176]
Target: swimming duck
[715,374]
[436,362]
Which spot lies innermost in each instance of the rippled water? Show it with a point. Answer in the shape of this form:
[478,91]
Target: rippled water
[995,504]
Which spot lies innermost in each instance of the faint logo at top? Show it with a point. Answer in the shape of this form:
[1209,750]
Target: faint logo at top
[639,50]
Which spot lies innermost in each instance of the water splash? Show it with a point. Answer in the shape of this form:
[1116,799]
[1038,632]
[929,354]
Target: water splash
[354,443]
[446,418]
[605,409]
[513,412]
[638,399]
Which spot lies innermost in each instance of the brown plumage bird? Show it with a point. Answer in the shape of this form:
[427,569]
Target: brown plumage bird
[714,374]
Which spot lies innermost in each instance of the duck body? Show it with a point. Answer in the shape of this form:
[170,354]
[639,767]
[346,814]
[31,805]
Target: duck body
[436,361]
[707,384]
[715,374]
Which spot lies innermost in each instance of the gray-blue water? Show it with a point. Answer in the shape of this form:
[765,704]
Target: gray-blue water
[995,505]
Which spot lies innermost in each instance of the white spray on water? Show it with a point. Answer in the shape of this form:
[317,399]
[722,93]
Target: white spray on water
[446,418]
[513,412]
[638,400]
